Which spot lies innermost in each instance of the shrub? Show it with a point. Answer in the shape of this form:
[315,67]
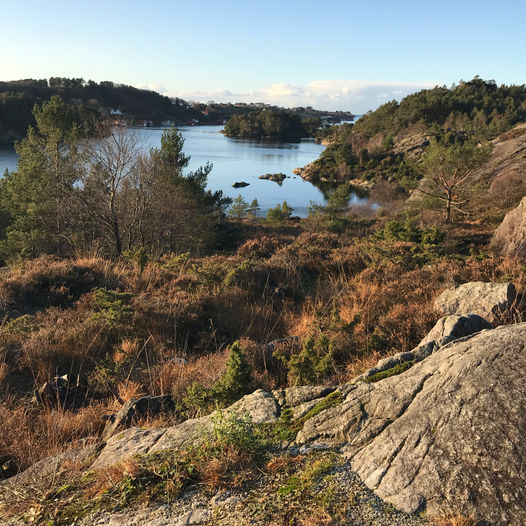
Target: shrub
[176,263]
[50,281]
[139,256]
[112,308]
[236,381]
[276,216]
[259,248]
[313,362]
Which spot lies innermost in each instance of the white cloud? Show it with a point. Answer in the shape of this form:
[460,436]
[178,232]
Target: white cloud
[154,86]
[351,95]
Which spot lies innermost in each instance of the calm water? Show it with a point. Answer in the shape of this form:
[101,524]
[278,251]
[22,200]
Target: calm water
[237,160]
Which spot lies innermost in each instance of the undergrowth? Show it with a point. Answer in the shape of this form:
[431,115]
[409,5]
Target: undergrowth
[305,307]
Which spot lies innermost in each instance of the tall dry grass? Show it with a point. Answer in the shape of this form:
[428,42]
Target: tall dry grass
[30,434]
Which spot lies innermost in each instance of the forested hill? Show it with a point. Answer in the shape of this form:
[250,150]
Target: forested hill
[109,99]
[17,99]
[475,105]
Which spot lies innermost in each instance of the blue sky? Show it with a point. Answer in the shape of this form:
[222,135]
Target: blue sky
[345,54]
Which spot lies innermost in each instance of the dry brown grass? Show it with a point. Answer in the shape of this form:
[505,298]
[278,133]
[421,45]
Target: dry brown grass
[454,519]
[66,340]
[175,376]
[284,464]
[127,348]
[301,324]
[108,477]
[129,389]
[318,517]
[31,434]
[231,469]
[385,299]
[359,365]
[49,281]
[259,248]
[4,369]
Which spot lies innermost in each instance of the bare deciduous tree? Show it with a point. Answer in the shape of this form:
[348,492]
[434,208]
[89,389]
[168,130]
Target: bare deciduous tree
[113,164]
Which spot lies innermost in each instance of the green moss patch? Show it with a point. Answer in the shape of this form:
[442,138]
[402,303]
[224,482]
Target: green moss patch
[393,371]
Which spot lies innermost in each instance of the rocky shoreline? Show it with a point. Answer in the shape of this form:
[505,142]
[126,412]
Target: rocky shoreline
[311,174]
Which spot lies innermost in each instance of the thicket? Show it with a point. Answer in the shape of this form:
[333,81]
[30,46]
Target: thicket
[103,194]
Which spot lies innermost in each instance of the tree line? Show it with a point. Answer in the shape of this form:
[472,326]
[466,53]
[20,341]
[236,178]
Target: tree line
[476,105]
[104,193]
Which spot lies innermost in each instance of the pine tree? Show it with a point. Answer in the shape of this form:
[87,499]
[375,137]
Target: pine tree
[279,214]
[236,381]
[239,208]
[39,198]
[253,208]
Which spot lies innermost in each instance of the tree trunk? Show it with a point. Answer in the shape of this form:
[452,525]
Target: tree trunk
[115,226]
[448,206]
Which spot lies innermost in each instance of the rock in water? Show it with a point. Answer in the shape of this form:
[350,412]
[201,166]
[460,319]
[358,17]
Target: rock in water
[510,237]
[477,297]
[277,178]
[447,434]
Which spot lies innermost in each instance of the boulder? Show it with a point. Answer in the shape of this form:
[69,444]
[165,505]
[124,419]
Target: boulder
[484,299]
[277,178]
[447,434]
[8,467]
[132,441]
[295,396]
[44,473]
[446,330]
[452,328]
[510,237]
[262,407]
[66,391]
[240,184]
[146,406]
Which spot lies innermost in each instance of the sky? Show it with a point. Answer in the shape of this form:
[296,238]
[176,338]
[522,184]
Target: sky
[330,54]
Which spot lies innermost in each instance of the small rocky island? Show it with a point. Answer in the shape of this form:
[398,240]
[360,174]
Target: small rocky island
[277,178]
[240,184]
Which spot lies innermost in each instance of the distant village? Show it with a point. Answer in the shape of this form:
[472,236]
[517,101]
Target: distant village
[214,113]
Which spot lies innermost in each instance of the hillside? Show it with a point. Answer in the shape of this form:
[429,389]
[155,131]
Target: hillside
[17,99]
[388,144]
[118,101]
